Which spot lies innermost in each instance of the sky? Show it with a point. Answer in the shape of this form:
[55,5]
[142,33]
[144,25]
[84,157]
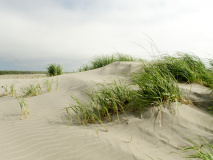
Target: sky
[35,33]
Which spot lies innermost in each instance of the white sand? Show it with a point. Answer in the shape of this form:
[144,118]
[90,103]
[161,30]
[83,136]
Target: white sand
[46,136]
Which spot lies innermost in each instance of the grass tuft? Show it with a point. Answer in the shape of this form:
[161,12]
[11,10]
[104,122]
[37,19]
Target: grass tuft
[187,68]
[24,107]
[156,86]
[32,90]
[203,151]
[101,61]
[105,102]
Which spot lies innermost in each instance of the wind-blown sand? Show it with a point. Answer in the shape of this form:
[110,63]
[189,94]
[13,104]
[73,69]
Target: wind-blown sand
[45,134]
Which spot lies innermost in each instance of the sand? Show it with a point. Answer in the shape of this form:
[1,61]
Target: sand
[45,135]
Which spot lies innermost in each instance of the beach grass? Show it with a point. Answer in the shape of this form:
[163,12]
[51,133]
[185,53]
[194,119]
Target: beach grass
[106,101]
[32,90]
[48,83]
[187,68]
[202,150]
[24,107]
[156,86]
[103,60]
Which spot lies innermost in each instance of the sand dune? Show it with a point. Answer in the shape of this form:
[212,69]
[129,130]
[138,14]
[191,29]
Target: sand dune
[45,135]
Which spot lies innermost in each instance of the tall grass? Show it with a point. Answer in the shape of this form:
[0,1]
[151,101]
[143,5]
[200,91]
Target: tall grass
[105,102]
[156,86]
[203,150]
[104,60]
[187,68]
[157,83]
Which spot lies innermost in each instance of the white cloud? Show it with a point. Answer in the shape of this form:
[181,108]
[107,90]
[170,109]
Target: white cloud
[84,28]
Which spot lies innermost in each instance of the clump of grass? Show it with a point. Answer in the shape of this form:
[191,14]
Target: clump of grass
[48,84]
[111,99]
[13,91]
[203,151]
[85,113]
[54,69]
[101,61]
[32,90]
[187,68]
[156,86]
[106,101]
[24,107]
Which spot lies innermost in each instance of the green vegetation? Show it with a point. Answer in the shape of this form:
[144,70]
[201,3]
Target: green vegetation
[48,84]
[187,68]
[21,72]
[13,91]
[24,107]
[54,69]
[156,86]
[203,151]
[32,90]
[108,100]
[101,61]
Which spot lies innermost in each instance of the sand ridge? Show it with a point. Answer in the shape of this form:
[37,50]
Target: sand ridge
[46,136]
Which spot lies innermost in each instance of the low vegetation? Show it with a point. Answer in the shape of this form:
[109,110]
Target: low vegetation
[7,92]
[156,83]
[187,68]
[22,72]
[202,150]
[101,61]
[54,69]
[156,86]
[105,102]
[24,107]
[32,90]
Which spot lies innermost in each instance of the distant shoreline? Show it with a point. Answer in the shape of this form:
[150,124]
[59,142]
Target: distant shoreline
[22,72]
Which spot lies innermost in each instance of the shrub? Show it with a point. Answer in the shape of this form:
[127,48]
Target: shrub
[54,69]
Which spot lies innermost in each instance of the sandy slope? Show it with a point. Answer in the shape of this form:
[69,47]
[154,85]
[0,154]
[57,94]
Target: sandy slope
[46,136]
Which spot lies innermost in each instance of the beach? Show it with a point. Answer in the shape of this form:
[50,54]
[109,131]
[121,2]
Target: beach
[47,135]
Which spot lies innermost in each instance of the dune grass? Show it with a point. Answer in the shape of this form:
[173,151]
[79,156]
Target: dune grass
[24,107]
[106,101]
[12,91]
[48,84]
[203,150]
[32,90]
[156,86]
[101,61]
[157,83]
[187,68]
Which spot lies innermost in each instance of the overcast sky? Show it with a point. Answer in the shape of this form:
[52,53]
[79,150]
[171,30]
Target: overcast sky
[34,33]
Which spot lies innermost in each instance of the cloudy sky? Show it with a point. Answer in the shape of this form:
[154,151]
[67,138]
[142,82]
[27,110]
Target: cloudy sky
[34,33]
